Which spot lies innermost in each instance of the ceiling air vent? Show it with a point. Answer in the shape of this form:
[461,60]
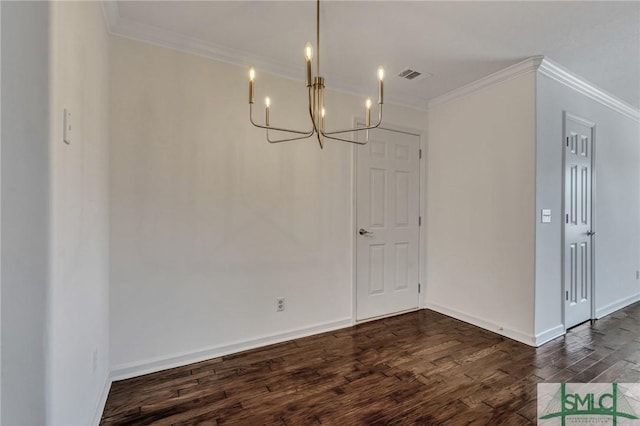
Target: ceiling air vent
[409,74]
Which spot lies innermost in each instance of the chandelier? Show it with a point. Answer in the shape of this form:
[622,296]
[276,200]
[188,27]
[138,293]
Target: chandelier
[317,112]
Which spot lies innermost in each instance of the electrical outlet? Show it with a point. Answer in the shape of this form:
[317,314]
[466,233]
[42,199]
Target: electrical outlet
[280,304]
[95,360]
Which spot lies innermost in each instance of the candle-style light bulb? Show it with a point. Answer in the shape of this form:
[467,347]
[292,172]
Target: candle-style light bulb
[322,113]
[267,103]
[380,85]
[308,52]
[252,75]
[308,56]
[367,120]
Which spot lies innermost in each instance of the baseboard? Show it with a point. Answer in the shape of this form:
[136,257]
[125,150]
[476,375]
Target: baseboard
[487,325]
[550,334]
[393,314]
[617,305]
[97,415]
[126,371]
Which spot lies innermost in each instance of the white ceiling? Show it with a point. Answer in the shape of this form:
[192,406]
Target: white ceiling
[457,42]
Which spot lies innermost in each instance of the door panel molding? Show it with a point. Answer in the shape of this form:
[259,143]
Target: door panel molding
[396,209]
[578,212]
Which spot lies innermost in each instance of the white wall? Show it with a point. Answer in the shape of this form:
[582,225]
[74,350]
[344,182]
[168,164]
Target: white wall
[617,212]
[480,207]
[25,210]
[54,212]
[78,294]
[210,223]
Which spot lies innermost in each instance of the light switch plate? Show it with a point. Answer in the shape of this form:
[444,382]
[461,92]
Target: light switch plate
[67,127]
[546,216]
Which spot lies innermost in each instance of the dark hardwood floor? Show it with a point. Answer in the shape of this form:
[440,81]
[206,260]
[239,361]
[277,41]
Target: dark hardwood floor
[417,368]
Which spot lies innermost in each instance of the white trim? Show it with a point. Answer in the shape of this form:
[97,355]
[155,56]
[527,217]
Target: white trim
[594,205]
[152,365]
[579,120]
[135,30]
[97,415]
[422,261]
[389,315]
[617,305]
[519,336]
[150,34]
[556,72]
[354,225]
[537,209]
[566,117]
[509,73]
[160,37]
[548,68]
[111,14]
[0,213]
[550,334]
[419,133]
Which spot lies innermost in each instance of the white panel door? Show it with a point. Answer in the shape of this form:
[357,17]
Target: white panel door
[578,233]
[387,203]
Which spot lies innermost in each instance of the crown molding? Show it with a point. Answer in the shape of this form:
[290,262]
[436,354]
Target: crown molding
[160,37]
[548,68]
[138,31]
[509,73]
[111,14]
[563,76]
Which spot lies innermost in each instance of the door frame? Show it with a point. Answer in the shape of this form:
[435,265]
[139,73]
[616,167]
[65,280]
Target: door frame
[0,212]
[359,121]
[566,115]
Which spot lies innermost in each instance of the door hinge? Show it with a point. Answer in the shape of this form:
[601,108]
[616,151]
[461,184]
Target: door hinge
[420,153]
[566,295]
[567,140]
[419,287]
[566,218]
[419,220]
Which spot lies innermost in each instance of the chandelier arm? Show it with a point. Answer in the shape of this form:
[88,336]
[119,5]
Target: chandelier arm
[313,121]
[280,129]
[306,135]
[344,140]
[316,104]
[358,129]
[287,139]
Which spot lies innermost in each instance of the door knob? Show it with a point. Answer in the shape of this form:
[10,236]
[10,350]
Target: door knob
[590,233]
[364,232]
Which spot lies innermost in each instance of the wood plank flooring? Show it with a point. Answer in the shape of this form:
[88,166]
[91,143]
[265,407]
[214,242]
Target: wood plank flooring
[417,368]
